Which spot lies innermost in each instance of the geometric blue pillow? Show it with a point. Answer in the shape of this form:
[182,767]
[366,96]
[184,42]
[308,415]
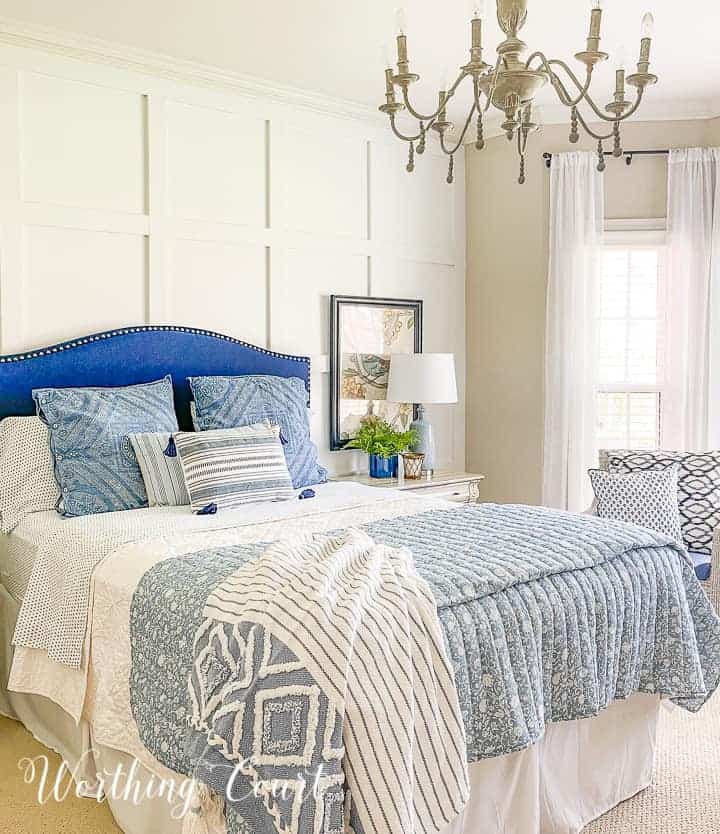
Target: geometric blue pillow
[95,465]
[225,402]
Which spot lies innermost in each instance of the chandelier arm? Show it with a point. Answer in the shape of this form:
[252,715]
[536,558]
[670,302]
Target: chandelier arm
[585,97]
[590,132]
[523,142]
[565,97]
[462,135]
[399,135]
[476,96]
[448,95]
[484,108]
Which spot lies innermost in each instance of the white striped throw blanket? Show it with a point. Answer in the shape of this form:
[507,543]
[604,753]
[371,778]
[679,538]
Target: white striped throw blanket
[320,667]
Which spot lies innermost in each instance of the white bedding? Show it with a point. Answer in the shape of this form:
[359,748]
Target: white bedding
[17,557]
[54,614]
[97,696]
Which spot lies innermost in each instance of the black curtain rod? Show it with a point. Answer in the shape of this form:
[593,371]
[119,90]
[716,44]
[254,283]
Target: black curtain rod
[628,155]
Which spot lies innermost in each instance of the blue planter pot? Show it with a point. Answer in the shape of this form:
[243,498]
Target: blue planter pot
[381,467]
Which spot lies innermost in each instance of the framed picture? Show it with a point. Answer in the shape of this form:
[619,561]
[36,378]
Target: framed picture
[364,333]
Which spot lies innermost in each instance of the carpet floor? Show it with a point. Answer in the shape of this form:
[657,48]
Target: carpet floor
[683,799]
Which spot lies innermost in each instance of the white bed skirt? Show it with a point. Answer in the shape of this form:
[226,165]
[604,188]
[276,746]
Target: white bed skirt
[577,772]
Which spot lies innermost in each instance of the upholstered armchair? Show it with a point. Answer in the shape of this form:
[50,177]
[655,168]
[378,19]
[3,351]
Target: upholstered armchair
[698,489]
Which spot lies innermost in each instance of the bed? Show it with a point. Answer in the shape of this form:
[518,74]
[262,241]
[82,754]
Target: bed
[564,633]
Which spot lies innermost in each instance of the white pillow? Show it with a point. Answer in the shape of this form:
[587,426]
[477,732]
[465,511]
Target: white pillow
[27,476]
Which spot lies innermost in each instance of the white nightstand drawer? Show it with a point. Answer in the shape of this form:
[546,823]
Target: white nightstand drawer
[462,493]
[461,487]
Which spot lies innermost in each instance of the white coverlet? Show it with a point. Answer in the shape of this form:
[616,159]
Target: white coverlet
[362,622]
[17,557]
[53,617]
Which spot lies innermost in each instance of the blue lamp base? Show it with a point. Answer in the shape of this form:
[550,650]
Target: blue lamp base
[425,441]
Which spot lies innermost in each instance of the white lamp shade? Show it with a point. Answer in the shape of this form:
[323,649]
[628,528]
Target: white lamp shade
[422,378]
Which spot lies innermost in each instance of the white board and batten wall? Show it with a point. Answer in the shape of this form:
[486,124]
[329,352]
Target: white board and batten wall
[127,197]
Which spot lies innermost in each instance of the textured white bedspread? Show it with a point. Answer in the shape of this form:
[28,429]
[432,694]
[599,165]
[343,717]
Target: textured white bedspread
[18,552]
[54,614]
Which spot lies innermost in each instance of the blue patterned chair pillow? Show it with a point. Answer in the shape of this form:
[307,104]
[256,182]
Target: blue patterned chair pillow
[95,465]
[224,402]
[648,499]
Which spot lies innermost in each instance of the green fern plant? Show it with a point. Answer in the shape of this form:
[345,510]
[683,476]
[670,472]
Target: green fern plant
[378,437]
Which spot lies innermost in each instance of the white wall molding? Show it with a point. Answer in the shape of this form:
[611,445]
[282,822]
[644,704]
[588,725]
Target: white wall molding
[99,51]
[135,190]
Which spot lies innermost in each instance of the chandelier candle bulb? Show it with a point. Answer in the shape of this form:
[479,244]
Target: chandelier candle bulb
[647,26]
[595,21]
[621,57]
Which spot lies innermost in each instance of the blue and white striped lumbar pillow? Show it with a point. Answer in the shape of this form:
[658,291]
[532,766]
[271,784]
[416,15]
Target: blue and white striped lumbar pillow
[226,468]
[161,469]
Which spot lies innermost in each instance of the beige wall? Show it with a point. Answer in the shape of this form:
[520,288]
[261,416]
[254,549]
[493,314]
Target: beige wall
[507,241]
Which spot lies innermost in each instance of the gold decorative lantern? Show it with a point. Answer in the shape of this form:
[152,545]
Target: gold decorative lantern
[412,465]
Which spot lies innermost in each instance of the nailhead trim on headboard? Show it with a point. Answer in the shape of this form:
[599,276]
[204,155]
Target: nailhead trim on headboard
[18,357]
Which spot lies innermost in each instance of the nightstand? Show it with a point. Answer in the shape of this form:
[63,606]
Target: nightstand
[462,487]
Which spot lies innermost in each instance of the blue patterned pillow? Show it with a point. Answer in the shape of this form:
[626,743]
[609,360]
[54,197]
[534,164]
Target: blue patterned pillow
[95,466]
[224,402]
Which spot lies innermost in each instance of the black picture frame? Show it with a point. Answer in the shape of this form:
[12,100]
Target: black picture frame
[337,302]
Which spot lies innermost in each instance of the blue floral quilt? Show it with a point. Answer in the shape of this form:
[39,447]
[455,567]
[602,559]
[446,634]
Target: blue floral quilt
[547,616]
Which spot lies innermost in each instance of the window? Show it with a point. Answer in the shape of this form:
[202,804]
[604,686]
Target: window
[632,326]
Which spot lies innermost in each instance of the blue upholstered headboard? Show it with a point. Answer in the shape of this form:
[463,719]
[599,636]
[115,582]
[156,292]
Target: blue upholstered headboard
[138,354]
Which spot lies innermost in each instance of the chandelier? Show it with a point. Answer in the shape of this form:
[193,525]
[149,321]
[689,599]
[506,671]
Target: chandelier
[512,84]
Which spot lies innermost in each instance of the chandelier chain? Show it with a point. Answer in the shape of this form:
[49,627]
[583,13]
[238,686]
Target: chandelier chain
[451,168]
[479,137]
[601,156]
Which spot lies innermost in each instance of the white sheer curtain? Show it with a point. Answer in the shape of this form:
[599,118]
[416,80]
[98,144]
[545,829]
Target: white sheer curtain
[691,411]
[576,227]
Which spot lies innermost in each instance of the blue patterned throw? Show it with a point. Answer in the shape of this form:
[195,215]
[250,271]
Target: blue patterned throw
[223,402]
[95,465]
[546,616]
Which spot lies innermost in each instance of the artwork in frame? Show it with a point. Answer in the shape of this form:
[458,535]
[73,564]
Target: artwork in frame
[364,333]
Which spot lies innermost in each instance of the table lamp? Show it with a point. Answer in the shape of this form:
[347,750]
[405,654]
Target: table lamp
[422,378]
